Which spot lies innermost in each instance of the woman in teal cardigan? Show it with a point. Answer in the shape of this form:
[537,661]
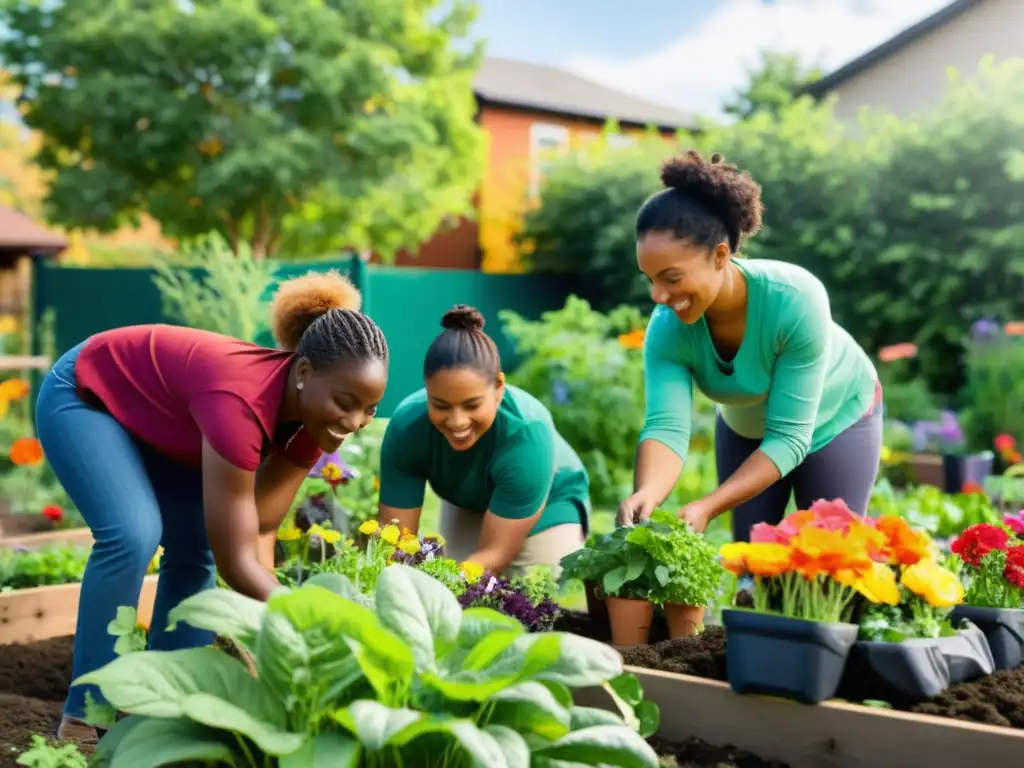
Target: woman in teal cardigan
[799,401]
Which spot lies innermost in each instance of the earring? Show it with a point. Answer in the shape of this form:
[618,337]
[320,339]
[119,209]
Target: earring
[299,385]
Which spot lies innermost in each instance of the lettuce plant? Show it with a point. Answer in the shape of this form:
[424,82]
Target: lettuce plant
[413,680]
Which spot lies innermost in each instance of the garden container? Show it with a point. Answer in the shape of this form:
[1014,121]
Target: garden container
[630,620]
[595,601]
[899,673]
[968,655]
[958,470]
[684,620]
[780,656]
[1003,629]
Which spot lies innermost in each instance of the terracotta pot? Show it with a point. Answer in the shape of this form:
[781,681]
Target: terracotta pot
[595,601]
[684,620]
[630,620]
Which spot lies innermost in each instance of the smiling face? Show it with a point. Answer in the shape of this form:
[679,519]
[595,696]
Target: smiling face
[683,277]
[340,400]
[462,403]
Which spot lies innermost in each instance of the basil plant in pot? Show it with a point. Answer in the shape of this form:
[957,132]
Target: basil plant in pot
[660,562]
[414,680]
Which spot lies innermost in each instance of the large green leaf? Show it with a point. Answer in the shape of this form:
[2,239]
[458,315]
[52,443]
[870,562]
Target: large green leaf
[420,610]
[340,585]
[512,745]
[325,750]
[586,717]
[478,623]
[581,662]
[602,745]
[282,657]
[224,612]
[157,742]
[484,750]
[201,684]
[375,724]
[529,707]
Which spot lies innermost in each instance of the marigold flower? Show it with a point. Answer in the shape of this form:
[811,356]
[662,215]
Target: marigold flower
[327,535]
[409,546]
[331,472]
[471,571]
[369,527]
[632,340]
[940,587]
[26,451]
[390,534]
[14,389]
[407,535]
[289,533]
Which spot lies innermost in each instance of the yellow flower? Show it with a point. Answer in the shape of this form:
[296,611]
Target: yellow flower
[8,324]
[886,455]
[14,389]
[471,571]
[327,535]
[877,583]
[289,533]
[939,586]
[331,472]
[407,535]
[409,546]
[438,538]
[390,534]
[369,527]
[376,483]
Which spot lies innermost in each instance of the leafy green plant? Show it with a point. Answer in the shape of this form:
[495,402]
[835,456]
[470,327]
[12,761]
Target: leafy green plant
[43,754]
[50,565]
[661,559]
[220,291]
[926,507]
[413,681]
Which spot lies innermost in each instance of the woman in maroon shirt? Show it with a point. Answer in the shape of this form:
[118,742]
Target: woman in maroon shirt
[199,442]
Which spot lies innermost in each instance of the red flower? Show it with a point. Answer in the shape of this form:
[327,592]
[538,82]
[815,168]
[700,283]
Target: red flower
[977,541]
[53,513]
[1005,443]
[1014,571]
[972,487]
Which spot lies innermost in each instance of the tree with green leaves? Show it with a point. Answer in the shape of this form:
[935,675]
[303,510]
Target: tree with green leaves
[774,82]
[318,123]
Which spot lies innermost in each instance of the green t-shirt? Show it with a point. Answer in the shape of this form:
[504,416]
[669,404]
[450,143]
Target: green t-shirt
[520,464]
[797,381]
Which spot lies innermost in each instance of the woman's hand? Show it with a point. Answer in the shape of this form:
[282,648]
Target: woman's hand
[697,514]
[636,508]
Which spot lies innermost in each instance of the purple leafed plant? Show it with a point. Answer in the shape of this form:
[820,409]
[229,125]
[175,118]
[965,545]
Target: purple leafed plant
[494,592]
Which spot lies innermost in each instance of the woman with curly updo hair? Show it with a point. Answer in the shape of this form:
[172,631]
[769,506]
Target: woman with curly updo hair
[173,436]
[799,400]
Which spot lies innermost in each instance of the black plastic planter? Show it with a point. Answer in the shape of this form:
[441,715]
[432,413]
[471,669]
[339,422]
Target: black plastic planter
[1003,629]
[779,656]
[905,672]
[968,655]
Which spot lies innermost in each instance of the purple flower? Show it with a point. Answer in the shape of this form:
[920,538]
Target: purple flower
[984,329]
[560,392]
[494,592]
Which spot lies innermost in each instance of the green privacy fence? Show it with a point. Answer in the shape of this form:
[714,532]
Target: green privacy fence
[406,302]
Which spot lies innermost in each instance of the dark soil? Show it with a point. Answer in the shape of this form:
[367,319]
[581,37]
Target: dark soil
[20,718]
[995,700]
[694,753]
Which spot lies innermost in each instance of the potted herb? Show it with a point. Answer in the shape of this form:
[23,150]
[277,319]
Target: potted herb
[992,570]
[807,573]
[686,571]
[588,565]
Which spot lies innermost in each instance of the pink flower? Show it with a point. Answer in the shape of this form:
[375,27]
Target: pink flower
[1015,522]
[832,515]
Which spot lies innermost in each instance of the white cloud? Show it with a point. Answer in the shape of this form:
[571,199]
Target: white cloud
[710,60]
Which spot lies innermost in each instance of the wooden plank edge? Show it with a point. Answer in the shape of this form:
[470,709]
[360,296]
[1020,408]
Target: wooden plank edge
[81,536]
[41,613]
[829,735]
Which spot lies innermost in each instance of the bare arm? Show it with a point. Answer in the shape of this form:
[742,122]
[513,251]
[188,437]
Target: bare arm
[753,476]
[233,525]
[277,482]
[407,518]
[657,469]
[501,539]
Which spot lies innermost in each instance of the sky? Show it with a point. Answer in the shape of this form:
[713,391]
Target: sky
[690,54]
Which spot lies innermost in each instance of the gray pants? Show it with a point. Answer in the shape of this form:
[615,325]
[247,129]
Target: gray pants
[846,469]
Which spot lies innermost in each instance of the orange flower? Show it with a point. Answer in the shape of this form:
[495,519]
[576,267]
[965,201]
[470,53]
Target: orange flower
[26,451]
[871,539]
[971,487]
[905,545]
[1014,329]
[14,389]
[877,584]
[765,559]
[817,551]
[633,339]
[897,352]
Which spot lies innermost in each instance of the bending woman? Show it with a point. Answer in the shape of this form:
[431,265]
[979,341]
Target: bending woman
[800,402]
[514,494]
[199,442]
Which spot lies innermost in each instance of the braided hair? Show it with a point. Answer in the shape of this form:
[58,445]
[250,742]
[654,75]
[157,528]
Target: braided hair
[463,344]
[317,316]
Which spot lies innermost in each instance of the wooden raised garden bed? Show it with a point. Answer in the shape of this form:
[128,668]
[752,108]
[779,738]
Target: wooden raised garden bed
[40,613]
[833,734]
[75,536]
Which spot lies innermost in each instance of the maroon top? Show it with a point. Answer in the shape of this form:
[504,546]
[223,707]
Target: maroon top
[171,386]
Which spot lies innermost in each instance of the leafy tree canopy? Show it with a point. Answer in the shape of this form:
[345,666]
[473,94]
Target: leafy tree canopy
[334,124]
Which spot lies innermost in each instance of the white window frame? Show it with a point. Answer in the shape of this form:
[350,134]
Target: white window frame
[543,138]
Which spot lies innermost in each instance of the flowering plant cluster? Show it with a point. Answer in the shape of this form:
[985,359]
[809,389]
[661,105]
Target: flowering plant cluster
[816,563]
[992,567]
[538,613]
[1006,447]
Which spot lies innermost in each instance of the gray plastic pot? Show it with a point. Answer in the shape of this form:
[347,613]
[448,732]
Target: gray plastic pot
[1003,629]
[968,655]
[913,670]
[780,656]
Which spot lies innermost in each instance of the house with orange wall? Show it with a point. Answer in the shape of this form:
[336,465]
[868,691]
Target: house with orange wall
[528,111]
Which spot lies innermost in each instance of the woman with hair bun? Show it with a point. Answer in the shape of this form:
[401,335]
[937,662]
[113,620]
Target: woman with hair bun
[800,404]
[514,494]
[173,436]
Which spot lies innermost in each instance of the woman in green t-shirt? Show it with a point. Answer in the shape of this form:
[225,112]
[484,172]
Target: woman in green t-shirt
[514,494]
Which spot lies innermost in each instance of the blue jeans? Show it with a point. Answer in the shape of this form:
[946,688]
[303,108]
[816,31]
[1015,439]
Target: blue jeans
[133,499]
